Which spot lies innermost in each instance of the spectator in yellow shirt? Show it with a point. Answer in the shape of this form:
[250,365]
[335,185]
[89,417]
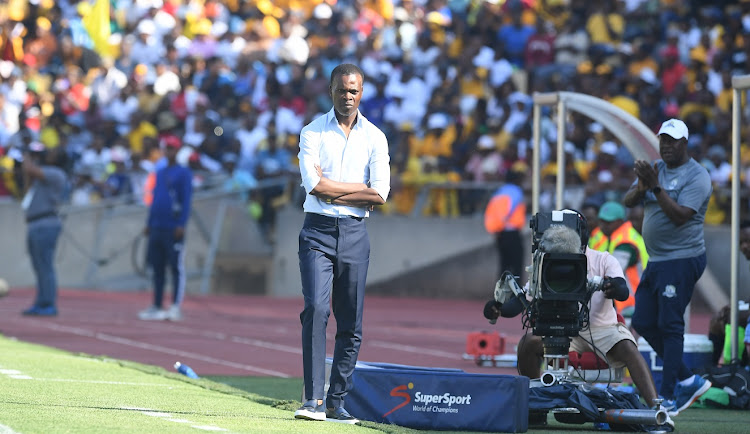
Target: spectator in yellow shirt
[605,25]
[140,128]
[439,138]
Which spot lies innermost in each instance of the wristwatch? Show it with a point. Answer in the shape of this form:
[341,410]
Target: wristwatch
[656,190]
[329,201]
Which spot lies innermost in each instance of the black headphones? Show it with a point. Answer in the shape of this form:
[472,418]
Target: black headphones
[583,228]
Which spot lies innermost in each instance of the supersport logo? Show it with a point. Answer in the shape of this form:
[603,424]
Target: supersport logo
[400,391]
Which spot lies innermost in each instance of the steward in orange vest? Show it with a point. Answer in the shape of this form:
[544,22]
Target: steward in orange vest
[618,237]
[505,216]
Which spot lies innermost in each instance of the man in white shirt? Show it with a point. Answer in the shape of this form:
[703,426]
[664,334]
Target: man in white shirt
[345,170]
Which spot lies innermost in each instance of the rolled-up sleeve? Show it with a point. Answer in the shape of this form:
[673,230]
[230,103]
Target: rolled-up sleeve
[380,168]
[309,156]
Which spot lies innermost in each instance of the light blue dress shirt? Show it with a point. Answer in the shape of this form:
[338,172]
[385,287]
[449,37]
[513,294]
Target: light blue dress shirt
[362,158]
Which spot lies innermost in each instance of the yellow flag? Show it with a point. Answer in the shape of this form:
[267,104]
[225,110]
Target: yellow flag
[96,22]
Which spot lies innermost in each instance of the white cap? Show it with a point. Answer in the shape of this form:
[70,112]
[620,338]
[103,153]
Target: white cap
[605,176]
[146,27]
[675,128]
[486,142]
[400,14]
[648,75]
[37,146]
[219,28]
[595,128]
[322,11]
[609,148]
[437,120]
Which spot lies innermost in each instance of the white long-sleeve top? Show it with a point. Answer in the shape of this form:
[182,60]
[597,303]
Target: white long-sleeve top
[360,158]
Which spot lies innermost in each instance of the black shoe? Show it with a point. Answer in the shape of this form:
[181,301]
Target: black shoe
[311,410]
[340,415]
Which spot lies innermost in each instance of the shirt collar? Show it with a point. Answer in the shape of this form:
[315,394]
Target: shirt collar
[331,117]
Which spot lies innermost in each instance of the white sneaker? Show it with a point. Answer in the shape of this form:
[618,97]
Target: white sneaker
[174,313]
[153,313]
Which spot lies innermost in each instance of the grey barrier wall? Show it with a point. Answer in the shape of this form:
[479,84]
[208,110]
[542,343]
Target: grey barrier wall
[101,248]
[400,246]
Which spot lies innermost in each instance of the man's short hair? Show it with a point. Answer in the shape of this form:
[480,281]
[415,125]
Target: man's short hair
[560,239]
[346,69]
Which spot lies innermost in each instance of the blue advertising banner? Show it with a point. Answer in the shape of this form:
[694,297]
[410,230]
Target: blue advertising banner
[439,399]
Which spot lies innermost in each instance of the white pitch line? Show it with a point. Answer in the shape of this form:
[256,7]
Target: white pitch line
[196,356]
[266,345]
[6,430]
[168,417]
[156,414]
[413,349]
[9,372]
[116,383]
[158,348]
[236,339]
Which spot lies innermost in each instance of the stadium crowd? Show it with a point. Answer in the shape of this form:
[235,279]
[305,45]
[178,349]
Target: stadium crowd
[449,81]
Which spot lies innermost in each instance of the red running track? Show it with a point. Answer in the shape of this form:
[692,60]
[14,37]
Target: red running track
[256,336]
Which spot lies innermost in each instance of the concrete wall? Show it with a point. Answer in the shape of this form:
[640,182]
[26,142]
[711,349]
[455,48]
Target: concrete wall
[103,247]
[401,246]
[419,256]
[411,256]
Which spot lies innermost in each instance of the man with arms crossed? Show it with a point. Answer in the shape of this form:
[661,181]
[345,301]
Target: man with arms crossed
[345,170]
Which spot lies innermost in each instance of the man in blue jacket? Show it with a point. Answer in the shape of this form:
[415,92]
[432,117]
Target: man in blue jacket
[165,228]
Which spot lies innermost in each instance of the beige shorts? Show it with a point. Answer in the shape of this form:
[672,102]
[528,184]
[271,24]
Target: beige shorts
[604,338]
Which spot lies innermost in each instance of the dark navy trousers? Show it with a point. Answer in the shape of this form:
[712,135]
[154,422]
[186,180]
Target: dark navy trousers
[334,254]
[664,292]
[164,251]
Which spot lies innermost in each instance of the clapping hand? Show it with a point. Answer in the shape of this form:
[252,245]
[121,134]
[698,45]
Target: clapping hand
[648,176]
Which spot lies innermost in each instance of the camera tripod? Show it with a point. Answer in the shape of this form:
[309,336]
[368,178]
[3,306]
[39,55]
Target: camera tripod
[561,370]
[557,359]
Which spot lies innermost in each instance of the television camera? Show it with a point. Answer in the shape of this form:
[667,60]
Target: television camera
[555,305]
[555,302]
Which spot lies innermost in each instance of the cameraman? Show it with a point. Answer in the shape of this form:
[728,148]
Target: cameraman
[605,334]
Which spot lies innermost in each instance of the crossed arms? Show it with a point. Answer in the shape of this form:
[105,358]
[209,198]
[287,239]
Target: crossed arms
[345,193]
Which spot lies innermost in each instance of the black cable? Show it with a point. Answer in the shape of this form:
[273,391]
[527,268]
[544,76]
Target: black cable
[598,352]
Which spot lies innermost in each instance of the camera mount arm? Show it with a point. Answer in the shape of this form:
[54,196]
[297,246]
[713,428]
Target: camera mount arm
[507,288]
[509,299]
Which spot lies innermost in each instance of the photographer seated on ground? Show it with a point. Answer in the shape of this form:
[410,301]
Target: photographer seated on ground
[605,333]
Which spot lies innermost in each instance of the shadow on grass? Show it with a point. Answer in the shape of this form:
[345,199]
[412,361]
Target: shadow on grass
[285,393]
